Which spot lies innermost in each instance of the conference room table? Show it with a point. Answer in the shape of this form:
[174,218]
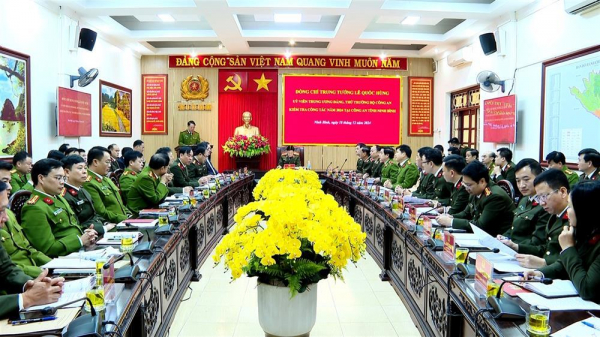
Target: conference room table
[437,296]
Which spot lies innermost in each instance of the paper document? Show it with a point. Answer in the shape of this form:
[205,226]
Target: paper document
[114,238]
[414,200]
[63,317]
[503,263]
[558,288]
[66,263]
[72,290]
[491,242]
[139,224]
[578,329]
[93,255]
[565,303]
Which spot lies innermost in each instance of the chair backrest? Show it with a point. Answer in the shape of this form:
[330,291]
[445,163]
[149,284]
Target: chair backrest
[298,149]
[115,176]
[509,189]
[16,202]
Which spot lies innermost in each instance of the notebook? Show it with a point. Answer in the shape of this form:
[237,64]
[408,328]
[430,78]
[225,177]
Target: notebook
[558,288]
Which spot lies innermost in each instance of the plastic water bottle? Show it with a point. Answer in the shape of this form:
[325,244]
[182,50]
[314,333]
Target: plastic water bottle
[308,166]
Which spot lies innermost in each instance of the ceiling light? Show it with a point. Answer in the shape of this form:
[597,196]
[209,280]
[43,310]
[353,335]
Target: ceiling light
[287,54]
[288,18]
[193,53]
[166,17]
[411,20]
[436,50]
[220,46]
[292,42]
[382,56]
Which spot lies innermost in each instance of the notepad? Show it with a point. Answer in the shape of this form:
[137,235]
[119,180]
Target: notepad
[558,288]
[72,290]
[579,329]
[66,263]
[63,318]
[93,255]
[565,303]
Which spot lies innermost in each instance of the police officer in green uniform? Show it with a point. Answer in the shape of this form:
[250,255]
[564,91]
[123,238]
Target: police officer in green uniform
[289,157]
[454,142]
[557,160]
[552,193]
[425,187]
[530,218]
[364,155]
[172,189]
[488,159]
[198,168]
[49,223]
[579,259]
[105,195]
[505,168]
[134,161]
[189,137]
[374,170]
[408,173]
[181,177]
[21,172]
[489,208]
[79,199]
[360,163]
[150,188]
[432,164]
[389,168]
[589,162]
[115,152]
[452,170]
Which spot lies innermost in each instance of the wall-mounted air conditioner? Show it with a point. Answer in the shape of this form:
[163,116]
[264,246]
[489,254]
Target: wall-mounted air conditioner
[578,6]
[460,57]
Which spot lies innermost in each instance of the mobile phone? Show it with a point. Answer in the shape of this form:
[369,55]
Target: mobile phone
[31,314]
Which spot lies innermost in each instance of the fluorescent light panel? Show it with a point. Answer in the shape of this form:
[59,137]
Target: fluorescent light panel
[166,17]
[288,18]
[411,20]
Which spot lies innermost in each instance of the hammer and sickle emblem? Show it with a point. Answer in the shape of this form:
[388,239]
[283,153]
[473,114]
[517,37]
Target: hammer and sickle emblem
[235,85]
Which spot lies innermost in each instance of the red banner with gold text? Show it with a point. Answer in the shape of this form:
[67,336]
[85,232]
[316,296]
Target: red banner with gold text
[154,105]
[420,106]
[74,113]
[500,119]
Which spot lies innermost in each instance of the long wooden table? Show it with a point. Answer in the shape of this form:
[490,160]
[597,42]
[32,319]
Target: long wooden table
[439,300]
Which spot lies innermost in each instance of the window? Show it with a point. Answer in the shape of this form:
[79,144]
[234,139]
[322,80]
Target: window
[465,116]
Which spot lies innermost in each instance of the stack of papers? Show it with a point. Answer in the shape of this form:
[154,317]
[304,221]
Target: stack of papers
[63,318]
[153,212]
[72,290]
[580,329]
[93,255]
[565,303]
[139,223]
[114,238]
[558,288]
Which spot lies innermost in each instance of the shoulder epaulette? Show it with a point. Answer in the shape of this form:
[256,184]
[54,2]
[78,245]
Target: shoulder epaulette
[89,178]
[487,191]
[33,200]
[63,192]
[13,171]
[567,171]
[152,175]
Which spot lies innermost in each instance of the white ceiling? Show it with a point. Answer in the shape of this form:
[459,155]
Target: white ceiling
[335,27]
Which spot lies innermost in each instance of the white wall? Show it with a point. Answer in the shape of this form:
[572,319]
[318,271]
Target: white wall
[42,33]
[537,33]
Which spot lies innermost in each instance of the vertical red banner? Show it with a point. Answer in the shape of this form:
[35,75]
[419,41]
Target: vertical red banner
[74,113]
[420,106]
[500,120]
[154,104]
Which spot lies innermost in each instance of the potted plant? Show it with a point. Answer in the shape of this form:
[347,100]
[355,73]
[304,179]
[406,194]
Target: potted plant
[290,238]
[242,146]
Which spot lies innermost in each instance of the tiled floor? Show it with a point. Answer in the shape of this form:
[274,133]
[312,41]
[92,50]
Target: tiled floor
[360,306]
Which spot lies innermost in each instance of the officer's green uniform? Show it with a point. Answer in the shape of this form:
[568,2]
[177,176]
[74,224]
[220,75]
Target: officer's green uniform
[19,249]
[186,138]
[197,170]
[106,198]
[287,160]
[12,280]
[459,198]
[408,174]
[426,188]
[548,246]
[443,189]
[114,165]
[50,224]
[595,176]
[389,171]
[125,182]
[375,169]
[359,165]
[181,176]
[491,169]
[147,192]
[18,180]
[571,176]
[492,211]
[530,221]
[508,173]
[581,265]
[366,166]
[81,203]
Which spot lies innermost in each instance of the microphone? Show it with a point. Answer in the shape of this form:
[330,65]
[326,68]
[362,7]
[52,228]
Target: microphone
[468,270]
[125,274]
[344,163]
[423,213]
[506,308]
[327,169]
[84,325]
[143,248]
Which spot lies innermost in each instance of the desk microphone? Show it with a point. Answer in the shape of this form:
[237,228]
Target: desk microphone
[506,308]
[125,274]
[468,270]
[143,248]
[327,169]
[344,163]
[422,213]
[85,325]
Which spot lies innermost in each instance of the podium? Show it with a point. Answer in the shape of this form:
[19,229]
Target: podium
[252,163]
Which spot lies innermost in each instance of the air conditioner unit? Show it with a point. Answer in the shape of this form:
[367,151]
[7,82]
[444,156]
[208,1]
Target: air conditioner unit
[578,6]
[461,56]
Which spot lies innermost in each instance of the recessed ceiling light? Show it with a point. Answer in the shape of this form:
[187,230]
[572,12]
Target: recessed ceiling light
[193,54]
[292,42]
[288,18]
[411,20]
[287,54]
[220,46]
[166,17]
[435,51]
[383,56]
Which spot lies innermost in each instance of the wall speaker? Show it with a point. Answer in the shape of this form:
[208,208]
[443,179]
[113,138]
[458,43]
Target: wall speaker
[488,43]
[87,39]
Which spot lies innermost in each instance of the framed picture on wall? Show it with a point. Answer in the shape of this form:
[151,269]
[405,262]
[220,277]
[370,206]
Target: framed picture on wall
[15,113]
[115,110]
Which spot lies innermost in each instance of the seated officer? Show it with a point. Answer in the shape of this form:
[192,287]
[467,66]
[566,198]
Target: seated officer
[79,199]
[172,189]
[488,158]
[21,291]
[198,169]
[189,137]
[425,188]
[432,164]
[360,163]
[14,241]
[530,218]
[374,170]
[557,160]
[365,156]
[452,171]
[408,173]
[471,155]
[505,168]
[135,162]
[589,162]
[105,195]
[21,172]
[552,193]
[389,168]
[212,171]
[489,208]
[579,258]
[289,157]
[49,223]
[150,188]
[115,151]
[181,177]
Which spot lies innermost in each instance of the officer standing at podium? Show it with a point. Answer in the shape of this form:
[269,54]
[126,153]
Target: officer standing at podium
[189,136]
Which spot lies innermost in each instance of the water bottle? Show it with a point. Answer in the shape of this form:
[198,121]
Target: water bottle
[308,166]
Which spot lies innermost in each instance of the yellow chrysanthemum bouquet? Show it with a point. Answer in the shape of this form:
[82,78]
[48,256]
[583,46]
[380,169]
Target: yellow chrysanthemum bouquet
[294,235]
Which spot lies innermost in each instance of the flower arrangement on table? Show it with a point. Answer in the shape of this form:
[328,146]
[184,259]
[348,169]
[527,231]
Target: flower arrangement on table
[294,235]
[242,146]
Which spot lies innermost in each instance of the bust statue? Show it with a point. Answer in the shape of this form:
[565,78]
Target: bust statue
[247,129]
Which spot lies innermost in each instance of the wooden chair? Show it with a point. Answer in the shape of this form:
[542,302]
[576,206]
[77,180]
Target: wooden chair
[115,176]
[297,149]
[509,189]
[16,202]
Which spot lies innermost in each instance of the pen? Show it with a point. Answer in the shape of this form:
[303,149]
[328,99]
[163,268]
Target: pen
[531,278]
[591,325]
[34,320]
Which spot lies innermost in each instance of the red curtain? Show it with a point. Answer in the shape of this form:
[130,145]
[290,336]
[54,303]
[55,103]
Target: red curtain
[263,107]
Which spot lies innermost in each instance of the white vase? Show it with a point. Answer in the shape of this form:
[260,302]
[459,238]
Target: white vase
[282,316]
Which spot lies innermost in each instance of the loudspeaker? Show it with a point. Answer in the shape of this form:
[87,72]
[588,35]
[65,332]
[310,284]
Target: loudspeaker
[87,39]
[488,43]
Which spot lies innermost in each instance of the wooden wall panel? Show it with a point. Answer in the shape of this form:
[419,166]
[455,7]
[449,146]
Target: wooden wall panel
[207,121]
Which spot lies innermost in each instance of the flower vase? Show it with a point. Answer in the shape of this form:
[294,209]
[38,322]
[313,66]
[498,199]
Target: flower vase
[282,316]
